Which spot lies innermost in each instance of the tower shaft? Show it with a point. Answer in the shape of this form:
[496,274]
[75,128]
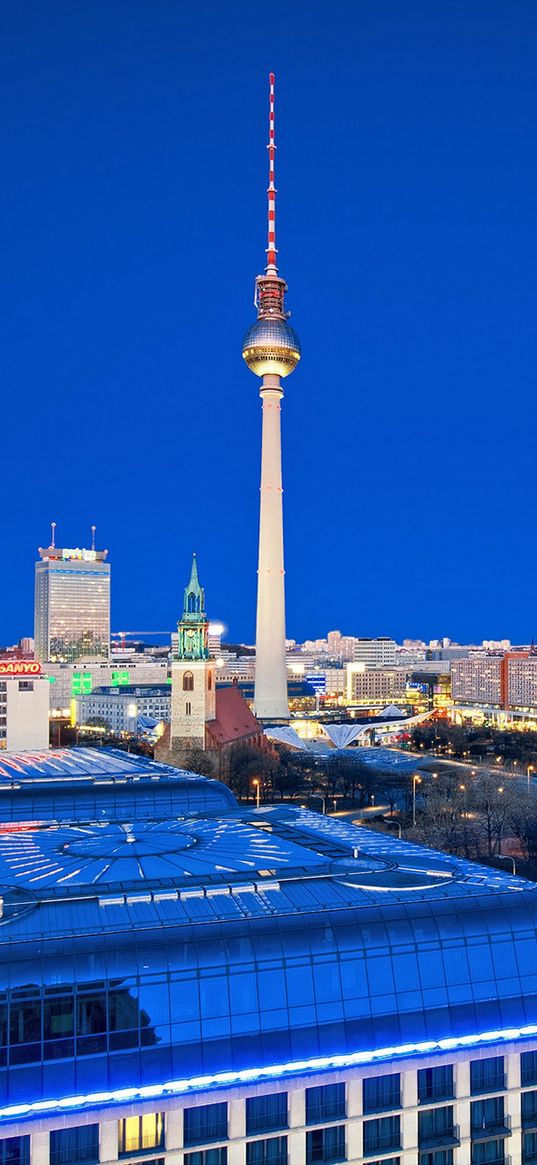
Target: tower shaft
[270,699]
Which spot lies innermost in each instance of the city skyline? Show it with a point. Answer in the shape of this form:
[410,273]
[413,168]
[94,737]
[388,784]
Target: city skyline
[408,201]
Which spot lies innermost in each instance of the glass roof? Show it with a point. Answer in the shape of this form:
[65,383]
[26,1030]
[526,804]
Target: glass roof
[233,937]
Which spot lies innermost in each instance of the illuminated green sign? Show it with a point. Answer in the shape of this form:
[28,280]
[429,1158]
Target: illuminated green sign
[81,683]
[120,677]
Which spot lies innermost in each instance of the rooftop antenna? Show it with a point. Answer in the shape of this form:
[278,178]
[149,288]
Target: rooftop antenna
[271,192]
[93,529]
[53,535]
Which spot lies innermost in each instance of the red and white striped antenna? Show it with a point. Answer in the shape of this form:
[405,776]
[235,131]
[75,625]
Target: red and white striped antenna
[271,249]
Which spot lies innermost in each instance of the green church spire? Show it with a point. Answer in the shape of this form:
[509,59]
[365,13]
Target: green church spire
[193,627]
[194,602]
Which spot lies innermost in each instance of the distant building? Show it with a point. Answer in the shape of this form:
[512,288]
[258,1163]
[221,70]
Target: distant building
[340,647]
[375,653]
[68,681]
[522,682]
[502,683]
[372,687]
[477,680]
[24,721]
[119,709]
[72,605]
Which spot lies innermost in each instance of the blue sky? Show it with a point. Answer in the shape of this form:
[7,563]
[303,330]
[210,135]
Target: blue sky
[132,214]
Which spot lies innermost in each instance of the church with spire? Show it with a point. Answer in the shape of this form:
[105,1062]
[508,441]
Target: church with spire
[204,718]
[193,671]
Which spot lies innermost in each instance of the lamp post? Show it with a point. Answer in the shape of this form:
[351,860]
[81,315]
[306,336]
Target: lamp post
[415,781]
[257,788]
[507,858]
[529,771]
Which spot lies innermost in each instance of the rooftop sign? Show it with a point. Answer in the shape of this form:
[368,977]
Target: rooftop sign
[19,667]
[84,555]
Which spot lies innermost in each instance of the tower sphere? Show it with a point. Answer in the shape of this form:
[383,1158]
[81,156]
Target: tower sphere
[271,346]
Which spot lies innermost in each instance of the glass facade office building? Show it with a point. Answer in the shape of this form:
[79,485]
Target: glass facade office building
[72,605]
[217,985]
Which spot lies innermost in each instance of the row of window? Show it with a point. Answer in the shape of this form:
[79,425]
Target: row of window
[80,1145]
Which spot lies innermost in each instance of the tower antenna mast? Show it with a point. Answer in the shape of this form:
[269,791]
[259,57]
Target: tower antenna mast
[272,252]
[53,535]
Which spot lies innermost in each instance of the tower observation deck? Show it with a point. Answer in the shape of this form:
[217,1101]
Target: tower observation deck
[271,349]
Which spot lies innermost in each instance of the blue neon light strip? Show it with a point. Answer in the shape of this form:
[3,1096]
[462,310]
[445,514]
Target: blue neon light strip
[250,1075]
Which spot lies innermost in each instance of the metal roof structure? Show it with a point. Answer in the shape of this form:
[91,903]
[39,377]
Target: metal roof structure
[89,784]
[134,952]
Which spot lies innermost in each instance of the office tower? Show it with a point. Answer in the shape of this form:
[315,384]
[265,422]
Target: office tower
[72,604]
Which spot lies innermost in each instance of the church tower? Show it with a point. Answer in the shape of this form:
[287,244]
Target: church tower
[193,672]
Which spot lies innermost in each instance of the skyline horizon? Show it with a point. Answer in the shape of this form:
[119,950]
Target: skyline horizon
[6,641]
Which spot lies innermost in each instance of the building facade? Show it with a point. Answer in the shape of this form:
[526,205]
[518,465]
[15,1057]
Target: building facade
[375,653]
[72,605]
[218,985]
[374,686]
[69,681]
[24,719]
[119,709]
[477,680]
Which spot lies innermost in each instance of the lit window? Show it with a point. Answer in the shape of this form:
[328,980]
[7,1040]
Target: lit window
[188,681]
[141,1132]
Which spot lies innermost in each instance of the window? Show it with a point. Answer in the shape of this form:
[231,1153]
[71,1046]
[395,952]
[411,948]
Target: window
[528,1068]
[325,1103]
[210,680]
[435,1126]
[436,1157]
[381,1092]
[435,1083]
[188,708]
[487,1075]
[325,1145]
[488,1117]
[265,1113]
[206,1122]
[270,1152]
[141,1132]
[26,685]
[70,1145]
[386,1161]
[529,1148]
[529,1110]
[488,1153]
[207,1157]
[382,1135]
[15,1151]
[188,681]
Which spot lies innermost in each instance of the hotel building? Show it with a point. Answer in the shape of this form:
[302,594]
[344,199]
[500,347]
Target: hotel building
[72,605]
[187,981]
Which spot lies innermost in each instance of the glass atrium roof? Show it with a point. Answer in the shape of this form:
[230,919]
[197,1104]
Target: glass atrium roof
[198,942]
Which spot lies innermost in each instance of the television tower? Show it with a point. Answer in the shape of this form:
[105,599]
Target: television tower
[271,350]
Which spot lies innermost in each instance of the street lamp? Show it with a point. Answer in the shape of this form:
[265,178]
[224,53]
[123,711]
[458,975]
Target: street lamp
[415,781]
[507,858]
[257,788]
[530,770]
